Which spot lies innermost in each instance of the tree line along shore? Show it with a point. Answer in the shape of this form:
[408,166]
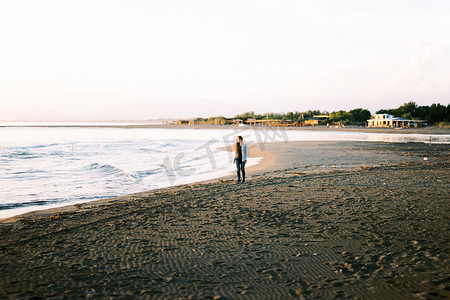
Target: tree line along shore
[434,115]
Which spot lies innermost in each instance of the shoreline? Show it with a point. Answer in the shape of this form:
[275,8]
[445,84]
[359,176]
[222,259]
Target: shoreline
[353,230]
[273,161]
[267,160]
[351,128]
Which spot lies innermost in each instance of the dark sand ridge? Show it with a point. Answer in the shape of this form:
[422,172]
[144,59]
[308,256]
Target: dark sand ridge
[368,233]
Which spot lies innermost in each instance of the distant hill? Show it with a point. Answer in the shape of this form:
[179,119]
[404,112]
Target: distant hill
[142,110]
[30,114]
[176,108]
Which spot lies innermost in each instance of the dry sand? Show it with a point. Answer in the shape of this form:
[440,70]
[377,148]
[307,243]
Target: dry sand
[314,220]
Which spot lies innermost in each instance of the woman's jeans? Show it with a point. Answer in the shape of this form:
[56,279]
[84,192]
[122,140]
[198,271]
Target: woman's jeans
[240,167]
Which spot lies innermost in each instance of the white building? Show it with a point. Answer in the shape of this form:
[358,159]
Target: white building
[386,120]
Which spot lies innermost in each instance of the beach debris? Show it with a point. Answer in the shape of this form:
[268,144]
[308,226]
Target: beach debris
[298,173]
[366,167]
[225,180]
[425,158]
[90,294]
[56,216]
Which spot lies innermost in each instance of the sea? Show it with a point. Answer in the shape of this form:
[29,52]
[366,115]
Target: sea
[45,167]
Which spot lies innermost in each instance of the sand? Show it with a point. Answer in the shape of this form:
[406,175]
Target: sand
[314,220]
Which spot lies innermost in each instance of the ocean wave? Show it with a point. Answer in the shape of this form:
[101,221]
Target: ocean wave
[32,154]
[107,169]
[33,151]
[22,154]
[30,171]
[39,146]
[146,149]
[5,206]
[144,173]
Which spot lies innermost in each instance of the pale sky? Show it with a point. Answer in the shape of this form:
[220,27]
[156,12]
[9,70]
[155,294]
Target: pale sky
[85,57]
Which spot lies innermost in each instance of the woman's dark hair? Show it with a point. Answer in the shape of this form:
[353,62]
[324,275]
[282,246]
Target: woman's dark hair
[236,148]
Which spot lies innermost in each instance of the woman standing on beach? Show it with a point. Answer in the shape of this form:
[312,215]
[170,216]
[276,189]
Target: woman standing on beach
[240,158]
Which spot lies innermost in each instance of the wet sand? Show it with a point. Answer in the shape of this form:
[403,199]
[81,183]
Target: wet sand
[314,220]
